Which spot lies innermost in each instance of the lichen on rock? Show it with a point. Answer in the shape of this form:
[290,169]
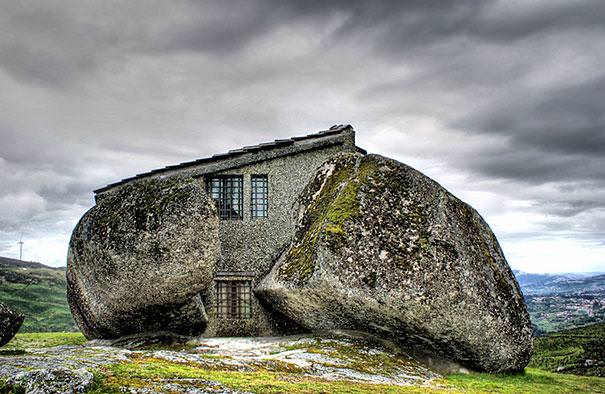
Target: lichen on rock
[139,258]
[382,248]
[10,322]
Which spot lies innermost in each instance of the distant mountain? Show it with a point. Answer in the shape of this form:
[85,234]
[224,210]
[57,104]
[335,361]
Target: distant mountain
[571,283]
[39,292]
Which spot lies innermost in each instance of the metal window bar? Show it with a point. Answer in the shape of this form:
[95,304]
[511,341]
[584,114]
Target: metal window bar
[227,192]
[233,299]
[259,206]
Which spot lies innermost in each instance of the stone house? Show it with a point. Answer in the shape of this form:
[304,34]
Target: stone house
[254,188]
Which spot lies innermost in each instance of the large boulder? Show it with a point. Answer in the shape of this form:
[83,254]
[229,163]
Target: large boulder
[10,322]
[382,248]
[138,260]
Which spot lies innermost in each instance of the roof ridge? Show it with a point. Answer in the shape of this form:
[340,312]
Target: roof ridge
[333,130]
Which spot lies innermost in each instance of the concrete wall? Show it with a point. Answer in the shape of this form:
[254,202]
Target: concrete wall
[254,244]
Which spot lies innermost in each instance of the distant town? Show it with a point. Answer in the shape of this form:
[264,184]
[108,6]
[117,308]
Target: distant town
[561,301]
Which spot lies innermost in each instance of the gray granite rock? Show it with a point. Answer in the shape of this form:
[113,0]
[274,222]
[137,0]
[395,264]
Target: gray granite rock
[10,322]
[56,380]
[382,248]
[342,356]
[139,258]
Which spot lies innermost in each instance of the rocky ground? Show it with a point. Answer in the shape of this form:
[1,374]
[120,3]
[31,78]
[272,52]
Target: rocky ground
[336,357]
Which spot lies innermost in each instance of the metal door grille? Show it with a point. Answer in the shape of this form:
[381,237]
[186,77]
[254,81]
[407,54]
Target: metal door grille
[233,299]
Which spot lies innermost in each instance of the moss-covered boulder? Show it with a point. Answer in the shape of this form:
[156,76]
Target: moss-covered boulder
[10,322]
[139,259]
[382,248]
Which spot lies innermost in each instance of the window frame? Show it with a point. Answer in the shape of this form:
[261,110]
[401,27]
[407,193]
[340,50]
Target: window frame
[256,200]
[226,184]
[233,298]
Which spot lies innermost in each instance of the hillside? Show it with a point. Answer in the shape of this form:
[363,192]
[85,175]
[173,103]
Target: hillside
[38,291]
[579,351]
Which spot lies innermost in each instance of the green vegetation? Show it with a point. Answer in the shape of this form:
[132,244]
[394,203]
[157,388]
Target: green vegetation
[23,341]
[45,307]
[532,381]
[5,389]
[355,357]
[39,292]
[344,206]
[299,263]
[580,351]
[152,373]
[327,214]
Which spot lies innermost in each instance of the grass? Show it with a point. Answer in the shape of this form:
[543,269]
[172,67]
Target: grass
[6,389]
[354,356]
[569,350]
[154,373]
[23,341]
[44,303]
[532,381]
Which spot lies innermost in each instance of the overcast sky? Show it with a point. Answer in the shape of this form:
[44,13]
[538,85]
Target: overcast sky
[502,102]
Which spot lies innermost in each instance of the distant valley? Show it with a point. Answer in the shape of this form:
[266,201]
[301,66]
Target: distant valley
[561,301]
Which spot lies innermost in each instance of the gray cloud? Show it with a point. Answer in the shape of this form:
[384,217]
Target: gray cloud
[499,101]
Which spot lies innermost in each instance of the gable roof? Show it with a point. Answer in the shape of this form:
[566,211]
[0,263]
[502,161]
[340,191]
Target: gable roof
[335,130]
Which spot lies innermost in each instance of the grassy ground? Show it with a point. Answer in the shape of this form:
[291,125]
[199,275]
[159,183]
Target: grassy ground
[40,294]
[37,340]
[149,372]
[532,381]
[580,351]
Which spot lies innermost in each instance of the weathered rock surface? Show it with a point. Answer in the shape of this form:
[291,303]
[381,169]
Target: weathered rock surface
[138,259]
[340,356]
[10,322]
[55,380]
[382,248]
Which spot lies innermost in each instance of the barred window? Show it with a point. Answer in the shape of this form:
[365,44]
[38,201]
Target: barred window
[227,191]
[260,196]
[233,299]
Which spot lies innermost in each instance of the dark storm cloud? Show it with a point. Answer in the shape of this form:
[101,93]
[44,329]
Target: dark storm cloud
[494,98]
[567,119]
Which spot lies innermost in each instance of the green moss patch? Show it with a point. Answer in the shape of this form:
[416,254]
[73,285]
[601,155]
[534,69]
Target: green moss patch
[277,377]
[155,374]
[321,214]
[327,215]
[146,201]
[43,340]
[359,356]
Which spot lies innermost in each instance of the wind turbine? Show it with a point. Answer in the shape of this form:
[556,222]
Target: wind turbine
[21,247]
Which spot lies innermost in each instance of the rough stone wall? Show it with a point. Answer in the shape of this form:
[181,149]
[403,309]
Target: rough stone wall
[254,244]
